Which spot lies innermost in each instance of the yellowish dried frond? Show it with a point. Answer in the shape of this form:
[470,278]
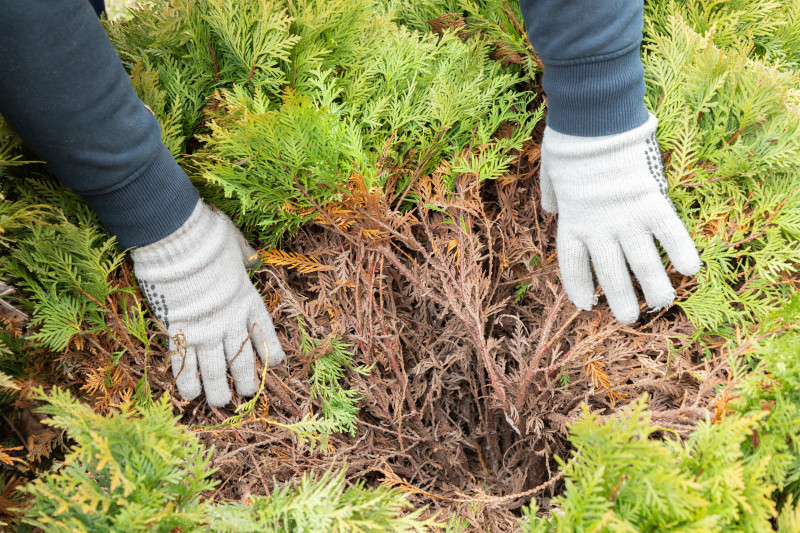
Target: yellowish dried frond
[8,459]
[300,262]
[341,216]
[119,378]
[95,381]
[504,261]
[721,407]
[600,380]
[289,208]
[431,188]
[357,197]
[273,301]
[453,249]
[124,397]
[374,234]
[338,211]
[598,376]
[262,407]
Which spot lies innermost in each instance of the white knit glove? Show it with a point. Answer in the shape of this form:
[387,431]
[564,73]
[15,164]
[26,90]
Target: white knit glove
[196,283]
[611,197]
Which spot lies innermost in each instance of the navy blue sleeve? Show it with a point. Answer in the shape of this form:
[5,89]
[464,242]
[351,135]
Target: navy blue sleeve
[593,75]
[65,92]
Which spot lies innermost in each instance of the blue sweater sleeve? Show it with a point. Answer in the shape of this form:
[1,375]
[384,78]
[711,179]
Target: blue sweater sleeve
[593,75]
[65,92]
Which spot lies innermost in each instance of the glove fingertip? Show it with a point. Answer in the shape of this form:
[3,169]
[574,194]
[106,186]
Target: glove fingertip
[270,350]
[218,396]
[247,387]
[677,242]
[689,265]
[268,346]
[657,302]
[184,370]
[626,316]
[189,391]
[583,303]
[276,354]
[576,274]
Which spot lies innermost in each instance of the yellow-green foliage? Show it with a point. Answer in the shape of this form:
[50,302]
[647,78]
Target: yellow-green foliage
[135,470]
[339,405]
[139,470]
[323,505]
[300,96]
[722,79]
[620,480]
[727,476]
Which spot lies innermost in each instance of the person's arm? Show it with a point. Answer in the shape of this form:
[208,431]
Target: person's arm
[593,74]
[601,164]
[65,92]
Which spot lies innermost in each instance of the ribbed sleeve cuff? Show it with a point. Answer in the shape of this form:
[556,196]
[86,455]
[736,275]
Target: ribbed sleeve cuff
[603,96]
[149,205]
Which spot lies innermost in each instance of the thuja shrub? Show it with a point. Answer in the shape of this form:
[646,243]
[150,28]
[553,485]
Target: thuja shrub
[138,469]
[286,102]
[737,472]
[134,470]
[273,106]
[722,78]
[68,280]
[289,100]
[619,479]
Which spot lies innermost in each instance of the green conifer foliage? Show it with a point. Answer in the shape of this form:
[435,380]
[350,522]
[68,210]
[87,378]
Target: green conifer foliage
[339,405]
[773,388]
[309,93]
[68,280]
[722,78]
[731,474]
[139,470]
[619,479]
[272,159]
[323,505]
[135,470]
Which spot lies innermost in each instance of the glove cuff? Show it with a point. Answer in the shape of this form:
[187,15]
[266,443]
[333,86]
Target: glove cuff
[604,169]
[191,247]
[573,146]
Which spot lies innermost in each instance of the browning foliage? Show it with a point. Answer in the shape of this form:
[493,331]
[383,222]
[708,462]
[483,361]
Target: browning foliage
[478,359]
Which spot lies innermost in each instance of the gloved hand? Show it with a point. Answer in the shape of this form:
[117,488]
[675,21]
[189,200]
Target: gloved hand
[196,282]
[611,198]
